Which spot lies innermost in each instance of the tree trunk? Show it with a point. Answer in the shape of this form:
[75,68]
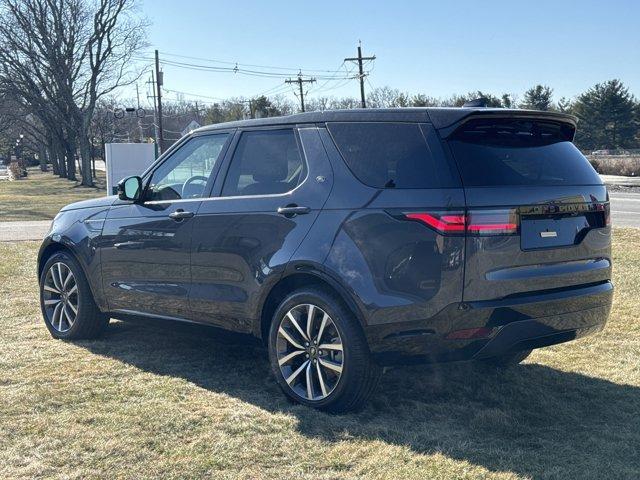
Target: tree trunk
[42,157]
[62,165]
[85,158]
[53,158]
[71,159]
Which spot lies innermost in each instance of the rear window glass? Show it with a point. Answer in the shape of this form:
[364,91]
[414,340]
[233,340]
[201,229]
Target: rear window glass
[392,155]
[519,152]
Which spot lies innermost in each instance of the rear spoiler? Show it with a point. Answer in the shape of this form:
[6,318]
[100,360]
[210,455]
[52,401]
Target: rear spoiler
[446,121]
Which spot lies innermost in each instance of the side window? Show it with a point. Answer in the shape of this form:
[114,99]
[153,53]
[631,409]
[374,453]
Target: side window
[185,173]
[391,155]
[265,162]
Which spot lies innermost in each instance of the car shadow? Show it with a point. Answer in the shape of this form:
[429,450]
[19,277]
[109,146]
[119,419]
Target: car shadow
[532,420]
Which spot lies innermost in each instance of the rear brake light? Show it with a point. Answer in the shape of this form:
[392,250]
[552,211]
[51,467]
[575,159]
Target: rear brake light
[475,222]
[443,222]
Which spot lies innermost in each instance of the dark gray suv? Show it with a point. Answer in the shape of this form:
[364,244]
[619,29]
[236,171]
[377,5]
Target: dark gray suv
[349,240]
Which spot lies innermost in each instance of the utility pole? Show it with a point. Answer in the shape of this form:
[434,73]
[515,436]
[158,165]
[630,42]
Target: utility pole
[155,111]
[300,81]
[137,110]
[159,95]
[198,113]
[361,73]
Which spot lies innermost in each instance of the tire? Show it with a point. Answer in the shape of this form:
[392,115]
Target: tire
[332,391]
[67,304]
[508,359]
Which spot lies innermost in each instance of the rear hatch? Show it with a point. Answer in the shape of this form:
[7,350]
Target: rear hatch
[537,212]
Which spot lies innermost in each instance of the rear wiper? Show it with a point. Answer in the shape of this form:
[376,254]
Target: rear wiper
[390,184]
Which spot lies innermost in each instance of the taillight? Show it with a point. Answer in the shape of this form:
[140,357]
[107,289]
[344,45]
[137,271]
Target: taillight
[607,214]
[474,222]
[443,222]
[492,222]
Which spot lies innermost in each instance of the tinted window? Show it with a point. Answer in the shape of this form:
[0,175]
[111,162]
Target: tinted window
[265,163]
[186,172]
[519,152]
[391,155]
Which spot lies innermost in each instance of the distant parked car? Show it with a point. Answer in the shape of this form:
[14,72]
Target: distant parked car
[349,240]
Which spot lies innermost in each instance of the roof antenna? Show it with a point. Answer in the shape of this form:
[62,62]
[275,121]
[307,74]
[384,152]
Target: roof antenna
[477,102]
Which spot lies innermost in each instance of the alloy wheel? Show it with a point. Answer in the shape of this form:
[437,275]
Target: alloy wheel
[310,352]
[60,297]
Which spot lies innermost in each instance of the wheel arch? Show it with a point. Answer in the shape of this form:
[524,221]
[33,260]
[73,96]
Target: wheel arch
[49,249]
[296,280]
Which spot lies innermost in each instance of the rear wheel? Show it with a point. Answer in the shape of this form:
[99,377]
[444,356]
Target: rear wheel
[319,354]
[66,301]
[508,359]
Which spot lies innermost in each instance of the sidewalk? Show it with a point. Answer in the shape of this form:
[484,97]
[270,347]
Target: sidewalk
[621,181]
[20,231]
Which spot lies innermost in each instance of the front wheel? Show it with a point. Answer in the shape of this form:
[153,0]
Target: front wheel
[318,352]
[66,300]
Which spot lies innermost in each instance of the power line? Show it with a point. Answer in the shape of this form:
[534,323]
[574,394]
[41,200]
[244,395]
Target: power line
[227,62]
[330,79]
[193,94]
[280,88]
[236,69]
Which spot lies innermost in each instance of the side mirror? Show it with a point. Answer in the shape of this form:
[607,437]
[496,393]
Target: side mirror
[130,189]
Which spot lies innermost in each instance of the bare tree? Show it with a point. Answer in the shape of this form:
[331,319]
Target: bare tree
[60,57]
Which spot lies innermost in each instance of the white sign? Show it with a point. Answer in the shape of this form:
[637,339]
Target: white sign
[125,160]
[192,126]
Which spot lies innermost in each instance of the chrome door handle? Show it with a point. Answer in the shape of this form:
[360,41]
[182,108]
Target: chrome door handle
[180,214]
[292,210]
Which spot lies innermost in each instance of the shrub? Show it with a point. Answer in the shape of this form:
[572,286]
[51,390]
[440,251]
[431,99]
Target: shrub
[616,165]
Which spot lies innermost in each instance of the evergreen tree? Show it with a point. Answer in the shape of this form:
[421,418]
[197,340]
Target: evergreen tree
[538,98]
[608,118]
[564,105]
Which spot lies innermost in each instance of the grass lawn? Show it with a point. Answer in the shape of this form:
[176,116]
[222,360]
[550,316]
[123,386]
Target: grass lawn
[176,401]
[41,195]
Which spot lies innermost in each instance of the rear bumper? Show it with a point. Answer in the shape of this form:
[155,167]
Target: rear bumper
[519,323]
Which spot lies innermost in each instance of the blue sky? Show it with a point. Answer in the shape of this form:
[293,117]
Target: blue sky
[434,47]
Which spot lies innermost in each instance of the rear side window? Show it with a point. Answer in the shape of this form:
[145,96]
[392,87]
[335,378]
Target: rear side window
[519,152]
[392,155]
[265,163]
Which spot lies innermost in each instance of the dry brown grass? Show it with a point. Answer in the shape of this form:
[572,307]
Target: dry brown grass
[158,400]
[41,195]
[616,164]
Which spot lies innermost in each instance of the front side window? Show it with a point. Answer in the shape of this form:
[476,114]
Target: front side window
[265,162]
[186,173]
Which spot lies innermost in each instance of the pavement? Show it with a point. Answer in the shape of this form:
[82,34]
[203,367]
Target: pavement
[625,209]
[20,231]
[619,181]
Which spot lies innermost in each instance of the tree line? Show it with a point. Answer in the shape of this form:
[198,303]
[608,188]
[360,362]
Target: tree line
[608,114]
[58,60]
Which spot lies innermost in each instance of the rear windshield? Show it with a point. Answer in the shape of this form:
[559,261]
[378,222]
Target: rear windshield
[519,152]
[393,155]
